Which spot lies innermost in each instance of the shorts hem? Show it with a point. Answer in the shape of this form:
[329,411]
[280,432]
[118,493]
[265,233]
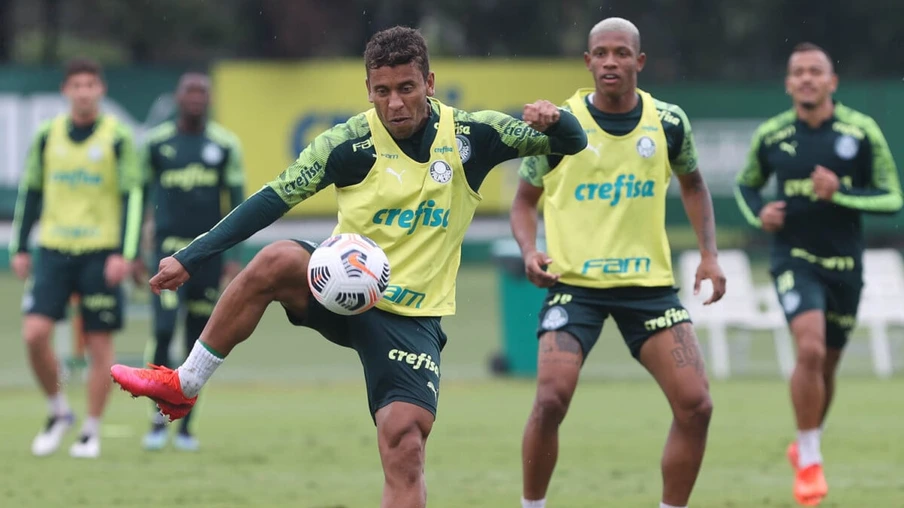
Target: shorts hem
[402,398]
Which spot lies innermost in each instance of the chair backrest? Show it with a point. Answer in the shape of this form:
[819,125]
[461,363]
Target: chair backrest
[741,300]
[883,283]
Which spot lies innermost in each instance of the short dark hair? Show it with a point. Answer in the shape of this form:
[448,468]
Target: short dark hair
[399,45]
[82,66]
[804,47]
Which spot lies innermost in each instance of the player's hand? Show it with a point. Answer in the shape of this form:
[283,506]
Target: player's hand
[170,275]
[772,216]
[825,182]
[535,264]
[540,115]
[116,268]
[21,265]
[709,269]
[231,270]
[139,272]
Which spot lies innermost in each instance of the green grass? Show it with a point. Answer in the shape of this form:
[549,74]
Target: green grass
[284,423]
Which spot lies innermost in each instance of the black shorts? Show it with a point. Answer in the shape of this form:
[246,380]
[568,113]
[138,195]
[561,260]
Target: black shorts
[639,312]
[802,286]
[57,276]
[400,354]
[198,295]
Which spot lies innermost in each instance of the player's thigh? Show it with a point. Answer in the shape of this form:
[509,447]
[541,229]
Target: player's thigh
[53,281]
[674,359]
[203,289]
[281,269]
[101,305]
[842,302]
[400,356]
[802,295]
[574,311]
[642,313]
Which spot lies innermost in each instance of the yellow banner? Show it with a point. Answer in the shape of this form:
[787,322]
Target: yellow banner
[277,109]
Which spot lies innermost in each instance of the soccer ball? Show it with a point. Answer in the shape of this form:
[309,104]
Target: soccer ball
[348,273]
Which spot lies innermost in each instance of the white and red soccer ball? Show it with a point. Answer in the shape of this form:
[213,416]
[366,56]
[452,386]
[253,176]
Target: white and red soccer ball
[348,273]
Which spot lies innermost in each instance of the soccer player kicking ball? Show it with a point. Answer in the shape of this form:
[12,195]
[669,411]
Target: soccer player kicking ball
[609,256]
[831,164]
[81,179]
[408,152]
[189,162]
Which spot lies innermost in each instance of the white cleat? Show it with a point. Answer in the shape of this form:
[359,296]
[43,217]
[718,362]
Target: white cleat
[48,440]
[186,442]
[87,447]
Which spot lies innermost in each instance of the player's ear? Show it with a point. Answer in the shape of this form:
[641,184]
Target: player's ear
[370,95]
[431,84]
[834,82]
[641,61]
[587,61]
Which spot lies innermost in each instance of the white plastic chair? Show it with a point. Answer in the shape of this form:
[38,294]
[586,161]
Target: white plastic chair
[743,307]
[882,303]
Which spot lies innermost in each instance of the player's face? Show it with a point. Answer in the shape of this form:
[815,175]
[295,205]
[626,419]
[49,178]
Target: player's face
[84,92]
[614,61]
[811,80]
[194,96]
[399,95]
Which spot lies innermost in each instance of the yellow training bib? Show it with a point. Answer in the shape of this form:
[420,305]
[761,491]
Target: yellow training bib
[417,213]
[82,205]
[605,206]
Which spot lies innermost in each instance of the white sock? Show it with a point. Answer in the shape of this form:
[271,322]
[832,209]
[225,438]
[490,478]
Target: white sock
[540,503]
[808,447]
[159,419]
[59,406]
[91,427]
[197,369]
[663,505]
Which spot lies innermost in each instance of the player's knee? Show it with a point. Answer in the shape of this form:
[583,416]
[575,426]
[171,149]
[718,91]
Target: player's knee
[277,264]
[36,332]
[551,404]
[402,448]
[694,409]
[811,353]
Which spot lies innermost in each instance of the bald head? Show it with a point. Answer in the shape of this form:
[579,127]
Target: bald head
[620,25]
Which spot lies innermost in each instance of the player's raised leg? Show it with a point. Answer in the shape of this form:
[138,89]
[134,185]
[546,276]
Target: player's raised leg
[558,367]
[278,273]
[673,358]
[166,310]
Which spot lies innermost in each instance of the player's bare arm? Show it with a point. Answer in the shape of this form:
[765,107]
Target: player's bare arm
[698,204]
[523,220]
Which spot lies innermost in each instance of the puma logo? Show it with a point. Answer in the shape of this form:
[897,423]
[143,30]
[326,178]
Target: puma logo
[397,175]
[593,149]
[790,148]
[433,389]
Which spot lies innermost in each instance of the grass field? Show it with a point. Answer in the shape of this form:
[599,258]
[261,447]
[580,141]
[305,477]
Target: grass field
[284,423]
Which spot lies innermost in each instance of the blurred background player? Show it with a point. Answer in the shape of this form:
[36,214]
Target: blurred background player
[607,193]
[406,148]
[831,164]
[189,163]
[82,180]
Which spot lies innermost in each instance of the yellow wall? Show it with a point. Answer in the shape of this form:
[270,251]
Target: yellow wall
[277,109]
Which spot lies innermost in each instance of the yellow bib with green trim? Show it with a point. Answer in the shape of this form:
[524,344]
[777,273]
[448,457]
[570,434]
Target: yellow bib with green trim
[604,207]
[82,203]
[417,213]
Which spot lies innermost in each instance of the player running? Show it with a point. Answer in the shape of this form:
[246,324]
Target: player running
[609,256]
[189,163]
[81,179]
[409,149]
[831,164]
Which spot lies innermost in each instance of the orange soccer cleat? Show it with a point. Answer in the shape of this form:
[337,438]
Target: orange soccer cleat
[810,485]
[793,455]
[159,384]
